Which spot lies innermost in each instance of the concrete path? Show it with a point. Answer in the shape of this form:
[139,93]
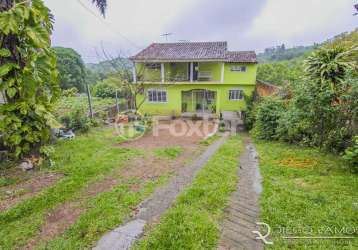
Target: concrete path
[243,211]
[151,209]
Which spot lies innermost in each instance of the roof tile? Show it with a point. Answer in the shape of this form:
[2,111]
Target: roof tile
[193,51]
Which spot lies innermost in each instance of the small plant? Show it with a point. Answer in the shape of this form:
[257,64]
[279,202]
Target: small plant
[351,155]
[47,153]
[77,119]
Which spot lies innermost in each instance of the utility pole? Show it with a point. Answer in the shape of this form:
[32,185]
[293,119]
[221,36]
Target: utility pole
[117,106]
[89,100]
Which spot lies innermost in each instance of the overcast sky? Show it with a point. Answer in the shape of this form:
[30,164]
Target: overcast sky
[246,24]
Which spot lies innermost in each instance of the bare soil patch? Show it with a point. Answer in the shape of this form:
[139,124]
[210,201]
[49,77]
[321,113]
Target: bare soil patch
[146,167]
[294,162]
[173,133]
[33,183]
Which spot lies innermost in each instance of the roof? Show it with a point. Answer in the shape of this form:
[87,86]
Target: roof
[189,51]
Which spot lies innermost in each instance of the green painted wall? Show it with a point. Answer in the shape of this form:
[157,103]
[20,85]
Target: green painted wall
[174,101]
[242,78]
[245,81]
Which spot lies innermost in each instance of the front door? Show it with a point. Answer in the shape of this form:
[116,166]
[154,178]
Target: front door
[204,100]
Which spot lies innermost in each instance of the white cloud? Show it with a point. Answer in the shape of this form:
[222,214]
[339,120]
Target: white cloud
[245,24]
[302,21]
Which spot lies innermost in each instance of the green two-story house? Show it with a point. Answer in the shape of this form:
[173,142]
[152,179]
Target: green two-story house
[193,78]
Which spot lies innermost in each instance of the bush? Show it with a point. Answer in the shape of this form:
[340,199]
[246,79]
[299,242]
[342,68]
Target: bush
[77,119]
[351,155]
[268,113]
[105,89]
[72,92]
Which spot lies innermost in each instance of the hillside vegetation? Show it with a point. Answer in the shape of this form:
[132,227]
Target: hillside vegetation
[279,65]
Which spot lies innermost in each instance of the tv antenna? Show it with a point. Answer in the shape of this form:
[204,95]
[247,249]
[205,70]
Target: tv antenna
[166,35]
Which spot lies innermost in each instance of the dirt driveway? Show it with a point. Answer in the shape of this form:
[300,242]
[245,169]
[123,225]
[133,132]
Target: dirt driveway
[166,134]
[184,133]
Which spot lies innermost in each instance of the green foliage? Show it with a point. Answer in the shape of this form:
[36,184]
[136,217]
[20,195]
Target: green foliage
[250,112]
[280,73]
[323,108]
[102,70]
[72,92]
[28,76]
[71,69]
[171,152]
[305,189]
[281,53]
[351,154]
[73,112]
[105,89]
[268,113]
[76,119]
[88,158]
[193,222]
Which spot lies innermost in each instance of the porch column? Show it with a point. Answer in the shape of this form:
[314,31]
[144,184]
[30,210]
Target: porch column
[134,73]
[191,71]
[222,72]
[162,72]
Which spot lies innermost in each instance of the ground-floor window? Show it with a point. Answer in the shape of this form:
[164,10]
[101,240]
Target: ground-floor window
[157,95]
[236,94]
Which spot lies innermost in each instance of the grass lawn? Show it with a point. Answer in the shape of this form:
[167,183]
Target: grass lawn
[307,193]
[86,159]
[192,223]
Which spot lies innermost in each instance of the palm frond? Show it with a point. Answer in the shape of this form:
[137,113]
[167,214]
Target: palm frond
[101,5]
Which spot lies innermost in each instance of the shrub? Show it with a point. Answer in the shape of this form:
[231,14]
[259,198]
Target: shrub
[105,89]
[72,92]
[351,155]
[77,119]
[268,113]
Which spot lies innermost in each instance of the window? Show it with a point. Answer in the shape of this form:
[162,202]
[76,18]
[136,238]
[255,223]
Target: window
[155,95]
[235,94]
[238,68]
[152,65]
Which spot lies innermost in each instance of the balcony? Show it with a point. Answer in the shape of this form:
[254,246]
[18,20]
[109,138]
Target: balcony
[179,72]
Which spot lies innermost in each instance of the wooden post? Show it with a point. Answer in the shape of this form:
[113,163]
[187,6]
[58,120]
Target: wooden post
[89,101]
[162,72]
[117,106]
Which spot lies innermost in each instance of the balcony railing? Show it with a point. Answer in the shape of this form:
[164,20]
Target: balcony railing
[187,73]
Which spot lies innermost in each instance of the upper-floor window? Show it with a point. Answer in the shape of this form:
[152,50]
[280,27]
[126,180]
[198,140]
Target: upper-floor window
[236,94]
[152,65]
[238,68]
[157,95]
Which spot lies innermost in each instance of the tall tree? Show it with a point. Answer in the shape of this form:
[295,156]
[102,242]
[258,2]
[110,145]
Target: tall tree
[71,69]
[28,75]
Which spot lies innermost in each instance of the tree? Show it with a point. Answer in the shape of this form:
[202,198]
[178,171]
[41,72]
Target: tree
[28,74]
[71,69]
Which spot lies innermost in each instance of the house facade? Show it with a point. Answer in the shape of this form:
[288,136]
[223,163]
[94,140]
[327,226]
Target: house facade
[193,78]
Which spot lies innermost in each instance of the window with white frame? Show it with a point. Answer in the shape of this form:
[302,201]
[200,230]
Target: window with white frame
[238,68]
[236,94]
[157,95]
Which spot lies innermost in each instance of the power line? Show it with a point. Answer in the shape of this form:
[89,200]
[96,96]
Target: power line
[108,25]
